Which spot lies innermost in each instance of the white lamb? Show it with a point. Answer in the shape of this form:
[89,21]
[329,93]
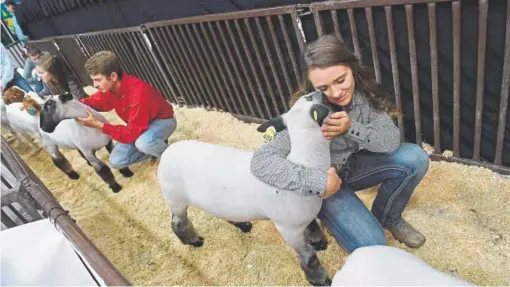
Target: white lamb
[24,123]
[218,180]
[59,128]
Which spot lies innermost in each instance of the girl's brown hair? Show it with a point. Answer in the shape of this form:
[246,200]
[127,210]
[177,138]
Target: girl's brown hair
[59,82]
[329,51]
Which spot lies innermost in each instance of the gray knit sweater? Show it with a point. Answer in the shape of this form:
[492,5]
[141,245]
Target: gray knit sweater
[371,130]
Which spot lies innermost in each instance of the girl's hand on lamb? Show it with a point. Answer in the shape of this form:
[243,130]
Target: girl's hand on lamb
[333,184]
[91,121]
[335,125]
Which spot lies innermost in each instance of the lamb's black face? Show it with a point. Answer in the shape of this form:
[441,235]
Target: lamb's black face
[52,112]
[46,118]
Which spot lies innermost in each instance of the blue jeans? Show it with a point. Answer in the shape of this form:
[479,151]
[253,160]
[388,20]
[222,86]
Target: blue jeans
[150,143]
[19,81]
[345,215]
[38,86]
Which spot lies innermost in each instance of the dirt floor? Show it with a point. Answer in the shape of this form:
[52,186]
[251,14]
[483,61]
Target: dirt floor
[463,211]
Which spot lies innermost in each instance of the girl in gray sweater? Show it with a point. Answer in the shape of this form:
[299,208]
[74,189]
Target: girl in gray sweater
[56,79]
[365,151]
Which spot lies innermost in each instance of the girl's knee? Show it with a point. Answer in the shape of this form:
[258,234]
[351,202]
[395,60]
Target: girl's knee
[412,157]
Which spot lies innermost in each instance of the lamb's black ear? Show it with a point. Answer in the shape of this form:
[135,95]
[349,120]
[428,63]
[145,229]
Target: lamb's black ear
[65,97]
[276,122]
[319,112]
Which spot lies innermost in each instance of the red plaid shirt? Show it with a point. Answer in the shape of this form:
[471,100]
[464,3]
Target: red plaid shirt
[136,102]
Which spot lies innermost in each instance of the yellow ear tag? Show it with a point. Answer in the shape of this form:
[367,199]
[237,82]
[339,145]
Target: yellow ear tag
[269,134]
[315,115]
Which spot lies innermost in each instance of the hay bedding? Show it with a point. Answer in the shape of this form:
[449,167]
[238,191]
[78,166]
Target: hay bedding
[463,212]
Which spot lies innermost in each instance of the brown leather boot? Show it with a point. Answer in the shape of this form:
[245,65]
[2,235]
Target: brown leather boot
[406,234]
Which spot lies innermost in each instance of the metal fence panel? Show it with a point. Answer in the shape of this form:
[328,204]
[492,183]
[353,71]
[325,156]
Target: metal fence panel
[134,52]
[246,63]
[357,23]
[243,63]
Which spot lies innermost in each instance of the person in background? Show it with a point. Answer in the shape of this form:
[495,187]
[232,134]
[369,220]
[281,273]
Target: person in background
[56,79]
[9,76]
[8,16]
[148,116]
[29,71]
[365,151]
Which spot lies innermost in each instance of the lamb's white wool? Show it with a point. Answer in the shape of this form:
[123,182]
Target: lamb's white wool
[7,125]
[23,124]
[218,180]
[390,266]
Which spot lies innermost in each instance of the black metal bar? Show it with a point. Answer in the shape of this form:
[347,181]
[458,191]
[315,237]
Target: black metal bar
[236,68]
[127,52]
[182,65]
[172,58]
[213,90]
[204,85]
[318,22]
[165,73]
[505,89]
[394,69]
[373,44]
[456,77]
[243,67]
[414,72]
[169,90]
[328,5]
[149,70]
[226,16]
[259,60]
[434,72]
[184,48]
[354,33]
[480,75]
[290,50]
[252,66]
[272,66]
[295,20]
[280,58]
[227,106]
[222,70]
[336,24]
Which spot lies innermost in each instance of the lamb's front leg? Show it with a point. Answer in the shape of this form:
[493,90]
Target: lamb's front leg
[102,170]
[61,161]
[310,264]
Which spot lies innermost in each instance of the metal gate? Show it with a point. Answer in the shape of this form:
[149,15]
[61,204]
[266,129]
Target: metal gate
[247,63]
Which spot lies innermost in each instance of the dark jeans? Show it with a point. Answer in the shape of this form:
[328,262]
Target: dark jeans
[19,81]
[345,215]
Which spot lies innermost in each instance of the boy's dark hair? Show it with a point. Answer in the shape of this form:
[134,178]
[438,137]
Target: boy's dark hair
[104,63]
[33,51]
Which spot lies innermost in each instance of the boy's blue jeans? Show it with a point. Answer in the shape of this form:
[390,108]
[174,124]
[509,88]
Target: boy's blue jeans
[150,143]
[345,215]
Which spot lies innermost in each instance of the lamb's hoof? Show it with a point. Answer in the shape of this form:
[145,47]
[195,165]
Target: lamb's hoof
[73,175]
[320,245]
[325,282]
[115,188]
[126,172]
[244,226]
[198,243]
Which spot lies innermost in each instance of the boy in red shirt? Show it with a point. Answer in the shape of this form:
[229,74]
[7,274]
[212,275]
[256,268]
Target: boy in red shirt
[148,116]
